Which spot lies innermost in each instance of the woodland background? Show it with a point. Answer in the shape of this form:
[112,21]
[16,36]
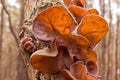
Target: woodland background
[12,18]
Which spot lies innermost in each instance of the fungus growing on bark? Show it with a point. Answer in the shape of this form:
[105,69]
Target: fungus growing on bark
[71,37]
[78,71]
[92,67]
[28,44]
[79,12]
[47,60]
[93,27]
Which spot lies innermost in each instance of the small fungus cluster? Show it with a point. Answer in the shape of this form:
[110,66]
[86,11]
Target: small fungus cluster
[71,32]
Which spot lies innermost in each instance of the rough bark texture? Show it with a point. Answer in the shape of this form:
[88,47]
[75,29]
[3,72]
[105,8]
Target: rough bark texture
[32,8]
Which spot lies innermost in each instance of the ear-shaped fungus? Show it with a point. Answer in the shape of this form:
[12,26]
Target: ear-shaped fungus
[65,75]
[56,22]
[88,55]
[72,53]
[92,67]
[79,12]
[77,71]
[51,22]
[47,60]
[93,27]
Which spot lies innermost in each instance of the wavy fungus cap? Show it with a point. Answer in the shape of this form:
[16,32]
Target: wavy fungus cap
[71,34]
[77,71]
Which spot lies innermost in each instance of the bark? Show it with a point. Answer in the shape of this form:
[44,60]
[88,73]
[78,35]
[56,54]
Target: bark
[21,73]
[32,8]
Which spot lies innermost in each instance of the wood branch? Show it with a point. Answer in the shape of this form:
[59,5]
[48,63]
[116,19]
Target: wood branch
[10,22]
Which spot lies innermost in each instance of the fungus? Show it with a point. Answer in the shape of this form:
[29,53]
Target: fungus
[47,60]
[88,55]
[71,37]
[92,67]
[28,44]
[53,21]
[93,27]
[80,12]
[77,71]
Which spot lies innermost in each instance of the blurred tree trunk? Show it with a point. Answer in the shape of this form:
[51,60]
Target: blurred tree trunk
[109,47]
[118,44]
[21,2]
[21,12]
[1,34]
[31,9]
[21,73]
[103,49]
